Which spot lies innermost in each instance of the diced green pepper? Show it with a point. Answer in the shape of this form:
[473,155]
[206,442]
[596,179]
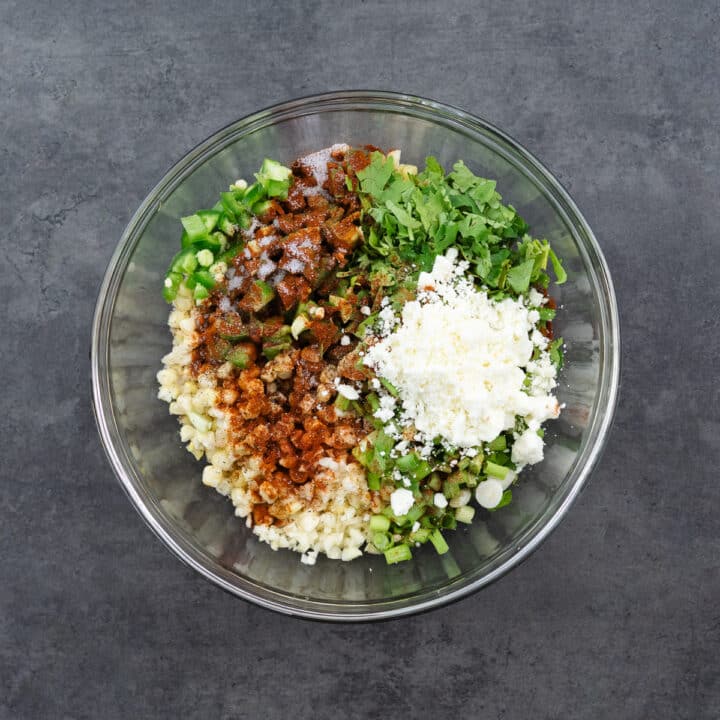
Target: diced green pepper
[205,278]
[226,225]
[239,357]
[232,207]
[254,194]
[272,351]
[231,327]
[171,285]
[274,178]
[200,292]
[259,295]
[194,226]
[210,219]
[261,207]
[184,262]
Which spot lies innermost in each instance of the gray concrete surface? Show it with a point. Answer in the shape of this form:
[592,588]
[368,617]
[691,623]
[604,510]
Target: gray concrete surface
[617,615]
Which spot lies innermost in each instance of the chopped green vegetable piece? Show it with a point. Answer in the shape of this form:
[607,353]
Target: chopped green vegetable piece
[555,351]
[560,273]
[210,219]
[499,443]
[204,278]
[379,523]
[506,499]
[259,295]
[239,357]
[200,292]
[299,325]
[231,253]
[465,514]
[435,482]
[194,227]
[496,471]
[381,540]
[226,225]
[438,541]
[397,554]
[274,178]
[171,285]
[342,403]
[519,277]
[272,351]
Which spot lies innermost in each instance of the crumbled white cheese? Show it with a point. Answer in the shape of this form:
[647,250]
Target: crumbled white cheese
[345,340]
[439,500]
[347,391]
[401,501]
[527,448]
[365,310]
[386,411]
[459,360]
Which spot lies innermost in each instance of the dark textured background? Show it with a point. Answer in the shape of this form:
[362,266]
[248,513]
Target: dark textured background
[616,616]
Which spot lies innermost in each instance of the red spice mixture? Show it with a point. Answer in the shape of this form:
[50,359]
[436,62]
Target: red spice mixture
[281,404]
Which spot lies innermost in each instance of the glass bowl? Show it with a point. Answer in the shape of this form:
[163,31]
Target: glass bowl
[130,335]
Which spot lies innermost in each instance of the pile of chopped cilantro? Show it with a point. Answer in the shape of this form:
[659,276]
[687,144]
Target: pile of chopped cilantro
[412,218]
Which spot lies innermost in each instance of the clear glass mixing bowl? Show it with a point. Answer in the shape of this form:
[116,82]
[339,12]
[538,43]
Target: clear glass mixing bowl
[130,335]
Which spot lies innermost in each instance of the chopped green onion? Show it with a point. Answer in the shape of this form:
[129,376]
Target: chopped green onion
[381,540]
[498,444]
[379,523]
[465,514]
[496,471]
[438,541]
[435,482]
[397,554]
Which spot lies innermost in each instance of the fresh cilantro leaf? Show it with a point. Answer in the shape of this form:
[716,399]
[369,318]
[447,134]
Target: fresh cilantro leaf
[555,351]
[375,176]
[461,177]
[519,277]
[560,273]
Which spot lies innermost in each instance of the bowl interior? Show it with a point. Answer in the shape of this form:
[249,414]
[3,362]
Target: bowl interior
[164,480]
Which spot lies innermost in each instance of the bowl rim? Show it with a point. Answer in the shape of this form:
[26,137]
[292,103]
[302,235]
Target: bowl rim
[381,609]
